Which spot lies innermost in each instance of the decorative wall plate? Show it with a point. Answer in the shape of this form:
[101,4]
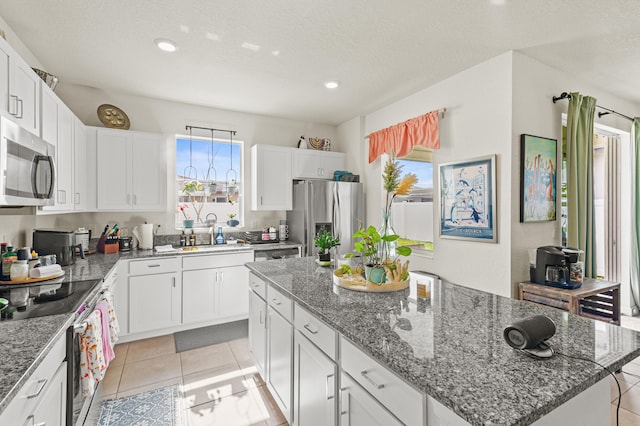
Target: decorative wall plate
[113,117]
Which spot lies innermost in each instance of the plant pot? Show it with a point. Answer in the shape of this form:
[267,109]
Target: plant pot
[324,257]
[375,274]
[187,223]
[233,222]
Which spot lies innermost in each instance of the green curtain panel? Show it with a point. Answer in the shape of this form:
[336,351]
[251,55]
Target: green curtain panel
[581,232]
[635,214]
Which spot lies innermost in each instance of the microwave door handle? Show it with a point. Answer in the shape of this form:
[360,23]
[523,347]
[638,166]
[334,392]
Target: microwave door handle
[34,175]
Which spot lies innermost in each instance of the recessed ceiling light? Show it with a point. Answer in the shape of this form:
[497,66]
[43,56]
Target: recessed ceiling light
[185,29]
[250,46]
[331,84]
[275,53]
[212,36]
[165,44]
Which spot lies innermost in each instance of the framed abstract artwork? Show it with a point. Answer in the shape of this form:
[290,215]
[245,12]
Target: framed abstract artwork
[468,200]
[538,173]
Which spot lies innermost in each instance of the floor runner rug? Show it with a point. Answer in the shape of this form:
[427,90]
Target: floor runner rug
[158,407]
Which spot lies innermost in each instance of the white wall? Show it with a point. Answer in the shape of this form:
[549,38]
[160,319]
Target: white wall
[534,85]
[477,123]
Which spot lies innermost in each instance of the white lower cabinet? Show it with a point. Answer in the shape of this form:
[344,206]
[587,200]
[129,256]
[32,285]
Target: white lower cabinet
[358,408]
[314,382]
[154,294]
[279,351]
[258,331]
[199,295]
[51,409]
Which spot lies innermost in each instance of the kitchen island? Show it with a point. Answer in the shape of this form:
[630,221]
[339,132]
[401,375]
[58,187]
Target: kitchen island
[451,349]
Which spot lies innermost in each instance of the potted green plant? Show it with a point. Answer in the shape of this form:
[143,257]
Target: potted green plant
[376,269]
[325,242]
[232,221]
[194,190]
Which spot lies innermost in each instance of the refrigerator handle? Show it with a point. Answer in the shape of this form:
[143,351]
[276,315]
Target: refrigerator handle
[335,213]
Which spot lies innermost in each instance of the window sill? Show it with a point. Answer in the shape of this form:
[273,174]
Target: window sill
[419,252]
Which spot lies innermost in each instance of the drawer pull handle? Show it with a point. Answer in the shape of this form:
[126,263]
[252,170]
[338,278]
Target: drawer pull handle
[309,329]
[344,407]
[329,388]
[261,316]
[41,385]
[276,302]
[155,265]
[365,374]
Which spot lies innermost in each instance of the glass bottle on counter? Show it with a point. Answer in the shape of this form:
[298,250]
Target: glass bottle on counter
[183,239]
[219,236]
[192,238]
[8,257]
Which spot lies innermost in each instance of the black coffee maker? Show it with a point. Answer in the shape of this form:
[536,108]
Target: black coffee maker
[553,266]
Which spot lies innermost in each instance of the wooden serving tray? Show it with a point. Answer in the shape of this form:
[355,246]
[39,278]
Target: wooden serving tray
[33,280]
[359,283]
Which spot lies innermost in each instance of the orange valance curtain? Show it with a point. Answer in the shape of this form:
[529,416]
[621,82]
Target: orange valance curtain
[402,137]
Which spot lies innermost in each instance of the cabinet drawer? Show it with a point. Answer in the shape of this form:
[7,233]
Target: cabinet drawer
[258,286]
[36,386]
[154,266]
[280,303]
[316,331]
[216,260]
[397,396]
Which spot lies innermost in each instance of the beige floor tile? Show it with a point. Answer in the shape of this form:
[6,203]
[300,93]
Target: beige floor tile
[150,348]
[631,400]
[629,378]
[241,409]
[121,354]
[206,358]
[242,352]
[111,380]
[636,361]
[150,371]
[152,386]
[273,414]
[626,418]
[624,386]
[631,368]
[110,396]
[253,377]
[212,385]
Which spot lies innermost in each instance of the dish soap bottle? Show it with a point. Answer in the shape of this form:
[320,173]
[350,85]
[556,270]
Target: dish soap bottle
[219,237]
[192,238]
[183,239]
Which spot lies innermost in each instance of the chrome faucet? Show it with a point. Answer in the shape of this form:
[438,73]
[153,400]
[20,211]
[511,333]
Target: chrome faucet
[212,225]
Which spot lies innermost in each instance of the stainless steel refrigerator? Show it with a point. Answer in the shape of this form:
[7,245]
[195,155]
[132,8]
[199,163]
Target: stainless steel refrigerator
[320,205]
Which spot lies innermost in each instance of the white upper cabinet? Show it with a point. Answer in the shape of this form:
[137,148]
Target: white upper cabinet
[81,169]
[310,164]
[49,115]
[20,89]
[271,182]
[131,170]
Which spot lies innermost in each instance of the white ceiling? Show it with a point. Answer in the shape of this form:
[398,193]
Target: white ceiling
[379,50]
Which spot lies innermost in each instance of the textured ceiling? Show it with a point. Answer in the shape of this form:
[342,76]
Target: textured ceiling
[380,51]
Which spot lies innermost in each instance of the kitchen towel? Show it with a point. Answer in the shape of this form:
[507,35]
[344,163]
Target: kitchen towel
[114,325]
[92,365]
[107,346]
[45,271]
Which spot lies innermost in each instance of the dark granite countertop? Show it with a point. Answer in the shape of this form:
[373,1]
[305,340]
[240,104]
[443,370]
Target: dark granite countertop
[25,342]
[451,347]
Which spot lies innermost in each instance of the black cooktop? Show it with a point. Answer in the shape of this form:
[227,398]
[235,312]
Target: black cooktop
[39,300]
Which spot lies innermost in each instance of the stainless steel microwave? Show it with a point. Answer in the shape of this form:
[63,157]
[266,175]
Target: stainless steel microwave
[27,167]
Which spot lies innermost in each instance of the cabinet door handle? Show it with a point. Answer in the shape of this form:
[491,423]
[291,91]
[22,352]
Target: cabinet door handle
[276,302]
[21,108]
[365,374]
[14,110]
[77,200]
[261,316]
[41,385]
[221,277]
[261,200]
[344,407]
[173,279]
[329,389]
[135,199]
[309,329]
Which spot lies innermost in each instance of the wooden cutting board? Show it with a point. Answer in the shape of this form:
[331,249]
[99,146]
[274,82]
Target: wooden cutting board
[33,280]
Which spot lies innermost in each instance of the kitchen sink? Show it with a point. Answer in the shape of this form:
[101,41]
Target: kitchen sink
[202,249]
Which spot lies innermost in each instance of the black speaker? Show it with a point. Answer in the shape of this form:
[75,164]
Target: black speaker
[529,333]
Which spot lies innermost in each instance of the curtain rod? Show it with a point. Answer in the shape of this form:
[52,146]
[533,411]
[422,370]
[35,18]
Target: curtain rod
[440,111]
[565,95]
[233,132]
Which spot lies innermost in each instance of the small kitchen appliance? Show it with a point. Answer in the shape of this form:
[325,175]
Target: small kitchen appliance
[61,243]
[553,265]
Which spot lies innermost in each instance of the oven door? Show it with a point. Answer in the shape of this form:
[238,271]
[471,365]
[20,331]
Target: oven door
[27,170]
